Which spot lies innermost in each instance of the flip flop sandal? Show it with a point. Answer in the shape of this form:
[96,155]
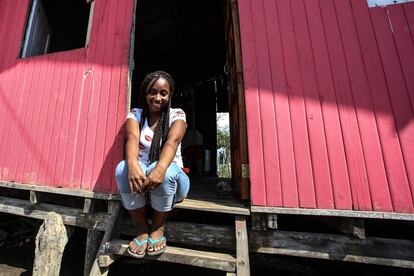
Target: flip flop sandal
[153,243]
[136,254]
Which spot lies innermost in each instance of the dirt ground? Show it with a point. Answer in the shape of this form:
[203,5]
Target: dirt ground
[17,247]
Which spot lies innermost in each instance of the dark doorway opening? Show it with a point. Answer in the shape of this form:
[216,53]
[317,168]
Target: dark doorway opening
[186,38]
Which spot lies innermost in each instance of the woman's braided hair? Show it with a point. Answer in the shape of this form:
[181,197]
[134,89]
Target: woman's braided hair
[163,126]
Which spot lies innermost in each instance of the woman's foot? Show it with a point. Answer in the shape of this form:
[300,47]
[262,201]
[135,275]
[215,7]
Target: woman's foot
[138,245]
[156,242]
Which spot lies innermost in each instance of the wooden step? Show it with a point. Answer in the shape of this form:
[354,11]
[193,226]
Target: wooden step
[212,260]
[214,205]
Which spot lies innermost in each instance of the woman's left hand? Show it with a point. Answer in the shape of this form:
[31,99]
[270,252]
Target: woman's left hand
[155,178]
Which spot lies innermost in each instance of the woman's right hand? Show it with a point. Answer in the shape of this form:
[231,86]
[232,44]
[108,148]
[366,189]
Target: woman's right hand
[136,178]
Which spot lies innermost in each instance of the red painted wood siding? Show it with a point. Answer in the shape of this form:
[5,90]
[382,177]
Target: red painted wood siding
[61,113]
[329,98]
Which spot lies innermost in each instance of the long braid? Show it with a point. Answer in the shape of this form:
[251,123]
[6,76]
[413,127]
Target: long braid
[163,125]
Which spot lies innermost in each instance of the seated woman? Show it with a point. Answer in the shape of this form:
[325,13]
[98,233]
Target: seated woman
[152,171]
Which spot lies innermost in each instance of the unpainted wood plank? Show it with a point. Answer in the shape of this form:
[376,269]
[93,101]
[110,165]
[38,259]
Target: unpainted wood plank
[107,260]
[215,236]
[88,32]
[88,206]
[110,229]
[218,261]
[272,221]
[241,105]
[34,197]
[390,252]
[70,216]
[62,191]
[213,206]
[337,213]
[242,247]
[259,221]
[93,239]
[349,226]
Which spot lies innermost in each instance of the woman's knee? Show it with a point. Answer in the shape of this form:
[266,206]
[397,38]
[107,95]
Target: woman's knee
[183,186]
[121,171]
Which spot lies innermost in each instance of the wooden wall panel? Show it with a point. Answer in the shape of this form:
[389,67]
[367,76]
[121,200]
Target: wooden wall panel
[329,88]
[62,113]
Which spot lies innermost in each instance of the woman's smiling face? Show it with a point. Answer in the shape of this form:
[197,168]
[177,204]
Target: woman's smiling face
[158,96]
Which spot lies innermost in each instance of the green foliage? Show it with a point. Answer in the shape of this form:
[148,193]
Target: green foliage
[223,139]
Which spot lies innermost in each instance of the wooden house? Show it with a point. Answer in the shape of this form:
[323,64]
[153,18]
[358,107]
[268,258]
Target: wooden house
[321,101]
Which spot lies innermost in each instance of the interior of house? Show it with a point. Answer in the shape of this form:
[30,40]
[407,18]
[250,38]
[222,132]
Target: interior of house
[186,38]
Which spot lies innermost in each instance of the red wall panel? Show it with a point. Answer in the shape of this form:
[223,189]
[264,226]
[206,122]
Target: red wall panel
[61,113]
[329,98]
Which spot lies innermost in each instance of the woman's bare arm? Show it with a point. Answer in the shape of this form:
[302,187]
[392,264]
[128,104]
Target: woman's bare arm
[136,177]
[174,138]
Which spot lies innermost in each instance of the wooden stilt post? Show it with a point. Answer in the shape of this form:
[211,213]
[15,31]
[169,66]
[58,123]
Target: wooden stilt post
[93,238]
[50,244]
[113,210]
[242,247]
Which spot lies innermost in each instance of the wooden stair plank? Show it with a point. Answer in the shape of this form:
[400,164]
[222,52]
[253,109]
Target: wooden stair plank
[211,205]
[218,261]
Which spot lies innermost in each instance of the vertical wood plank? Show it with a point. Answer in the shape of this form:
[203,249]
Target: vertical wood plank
[288,185]
[48,146]
[43,132]
[405,47]
[14,127]
[25,146]
[256,159]
[314,120]
[242,247]
[266,103]
[388,133]
[45,81]
[403,112]
[56,153]
[116,91]
[19,133]
[304,174]
[365,112]
[111,58]
[285,166]
[33,151]
[330,113]
[76,106]
[409,13]
[66,111]
[349,124]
